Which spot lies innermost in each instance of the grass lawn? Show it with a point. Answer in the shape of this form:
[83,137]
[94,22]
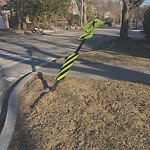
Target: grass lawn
[132,52]
[83,114]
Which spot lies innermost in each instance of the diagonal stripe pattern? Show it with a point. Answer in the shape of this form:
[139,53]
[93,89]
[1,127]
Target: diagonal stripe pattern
[66,66]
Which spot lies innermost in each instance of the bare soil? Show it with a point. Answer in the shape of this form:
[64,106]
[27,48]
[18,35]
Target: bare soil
[132,52]
[82,114]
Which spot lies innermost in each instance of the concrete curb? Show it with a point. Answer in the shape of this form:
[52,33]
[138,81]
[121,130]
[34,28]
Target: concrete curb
[9,126]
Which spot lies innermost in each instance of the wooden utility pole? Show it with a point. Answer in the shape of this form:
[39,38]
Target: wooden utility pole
[121,12]
[81,21]
[85,12]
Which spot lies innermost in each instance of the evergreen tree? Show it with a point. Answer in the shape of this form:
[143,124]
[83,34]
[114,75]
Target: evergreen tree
[36,9]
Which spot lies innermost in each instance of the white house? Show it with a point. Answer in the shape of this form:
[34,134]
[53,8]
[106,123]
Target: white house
[4,23]
[73,9]
[1,22]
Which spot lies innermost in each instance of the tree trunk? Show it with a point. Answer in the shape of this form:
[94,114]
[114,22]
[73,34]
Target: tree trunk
[125,21]
[49,20]
[24,25]
[18,21]
[85,13]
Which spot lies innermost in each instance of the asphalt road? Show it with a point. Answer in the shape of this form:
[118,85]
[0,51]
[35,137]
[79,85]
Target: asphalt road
[20,54]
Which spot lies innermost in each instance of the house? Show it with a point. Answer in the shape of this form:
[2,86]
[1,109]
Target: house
[4,23]
[73,9]
[1,22]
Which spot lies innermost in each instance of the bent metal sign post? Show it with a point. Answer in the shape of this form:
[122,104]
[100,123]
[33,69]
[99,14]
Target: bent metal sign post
[88,28]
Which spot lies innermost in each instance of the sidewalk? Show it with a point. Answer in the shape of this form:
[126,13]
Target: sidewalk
[102,71]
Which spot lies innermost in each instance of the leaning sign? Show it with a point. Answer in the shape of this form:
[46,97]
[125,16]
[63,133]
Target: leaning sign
[88,28]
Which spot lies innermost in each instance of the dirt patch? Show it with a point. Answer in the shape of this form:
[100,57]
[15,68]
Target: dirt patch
[83,114]
[132,52]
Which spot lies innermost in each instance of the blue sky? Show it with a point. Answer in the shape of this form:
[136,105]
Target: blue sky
[147,1]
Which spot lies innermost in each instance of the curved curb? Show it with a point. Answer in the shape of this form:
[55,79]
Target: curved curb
[9,126]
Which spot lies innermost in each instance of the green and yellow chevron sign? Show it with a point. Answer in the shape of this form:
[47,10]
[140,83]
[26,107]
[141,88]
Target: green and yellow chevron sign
[66,66]
[71,58]
[92,25]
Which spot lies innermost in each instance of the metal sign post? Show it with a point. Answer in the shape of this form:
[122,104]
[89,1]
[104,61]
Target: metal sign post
[67,65]
[71,58]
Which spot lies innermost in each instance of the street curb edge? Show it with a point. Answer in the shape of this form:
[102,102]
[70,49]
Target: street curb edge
[10,122]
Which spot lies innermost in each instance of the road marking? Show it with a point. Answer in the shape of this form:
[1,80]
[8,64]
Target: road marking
[24,59]
[2,91]
[51,59]
[8,65]
[42,64]
[10,79]
[18,55]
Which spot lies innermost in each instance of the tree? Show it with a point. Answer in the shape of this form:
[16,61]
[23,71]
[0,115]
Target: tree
[146,22]
[98,8]
[37,9]
[128,5]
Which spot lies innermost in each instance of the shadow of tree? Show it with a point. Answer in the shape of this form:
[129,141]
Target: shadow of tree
[133,47]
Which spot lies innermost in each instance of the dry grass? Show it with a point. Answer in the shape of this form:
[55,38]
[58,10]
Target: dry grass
[130,52]
[83,114]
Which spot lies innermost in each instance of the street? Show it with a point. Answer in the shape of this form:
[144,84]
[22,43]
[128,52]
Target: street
[21,54]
